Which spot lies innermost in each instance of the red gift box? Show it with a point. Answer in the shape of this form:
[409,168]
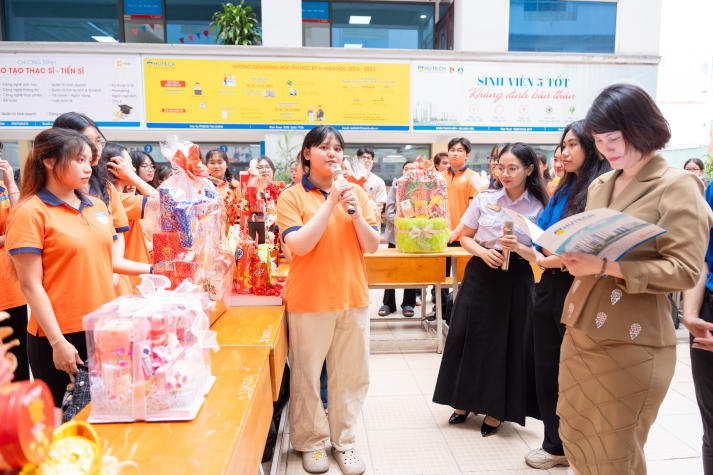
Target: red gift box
[166,246]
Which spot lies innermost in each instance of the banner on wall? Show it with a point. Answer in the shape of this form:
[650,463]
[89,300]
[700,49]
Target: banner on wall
[275,95]
[512,97]
[36,88]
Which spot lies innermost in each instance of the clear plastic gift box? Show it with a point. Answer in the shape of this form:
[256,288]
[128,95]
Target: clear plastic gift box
[149,354]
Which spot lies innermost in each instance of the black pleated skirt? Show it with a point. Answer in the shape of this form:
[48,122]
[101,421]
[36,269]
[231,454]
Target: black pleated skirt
[487,364]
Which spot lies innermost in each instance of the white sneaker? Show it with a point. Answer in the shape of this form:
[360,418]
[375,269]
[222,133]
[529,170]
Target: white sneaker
[315,461]
[349,461]
[539,458]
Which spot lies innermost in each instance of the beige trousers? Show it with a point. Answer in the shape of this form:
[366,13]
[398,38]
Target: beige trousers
[342,338]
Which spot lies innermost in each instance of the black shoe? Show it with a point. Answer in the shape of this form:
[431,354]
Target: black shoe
[488,430]
[458,418]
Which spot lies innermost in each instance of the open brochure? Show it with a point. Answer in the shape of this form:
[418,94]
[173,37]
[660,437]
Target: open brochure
[604,232]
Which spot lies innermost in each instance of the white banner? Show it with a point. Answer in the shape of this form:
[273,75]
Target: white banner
[36,88]
[512,97]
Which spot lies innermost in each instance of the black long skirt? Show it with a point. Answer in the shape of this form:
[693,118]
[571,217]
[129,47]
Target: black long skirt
[487,360]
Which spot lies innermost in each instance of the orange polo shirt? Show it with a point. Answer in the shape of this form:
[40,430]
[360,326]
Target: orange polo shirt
[332,276]
[136,248]
[461,189]
[11,295]
[75,246]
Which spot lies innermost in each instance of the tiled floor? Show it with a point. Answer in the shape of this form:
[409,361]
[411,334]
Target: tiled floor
[402,432]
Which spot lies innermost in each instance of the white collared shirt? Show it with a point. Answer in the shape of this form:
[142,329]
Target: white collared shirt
[485,214]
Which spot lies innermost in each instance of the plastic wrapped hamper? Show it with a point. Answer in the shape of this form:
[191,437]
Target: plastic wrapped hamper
[421,223]
[148,355]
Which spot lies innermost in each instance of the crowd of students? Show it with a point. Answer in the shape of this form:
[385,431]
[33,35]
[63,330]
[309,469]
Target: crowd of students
[590,349]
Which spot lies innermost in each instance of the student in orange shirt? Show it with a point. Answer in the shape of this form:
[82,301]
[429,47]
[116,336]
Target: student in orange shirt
[144,166]
[327,301]
[12,300]
[218,172]
[136,242]
[60,242]
[101,187]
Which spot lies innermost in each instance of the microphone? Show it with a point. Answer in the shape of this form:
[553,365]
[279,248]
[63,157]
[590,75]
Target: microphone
[338,174]
[507,229]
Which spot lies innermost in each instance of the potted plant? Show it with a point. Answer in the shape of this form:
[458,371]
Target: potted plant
[236,25]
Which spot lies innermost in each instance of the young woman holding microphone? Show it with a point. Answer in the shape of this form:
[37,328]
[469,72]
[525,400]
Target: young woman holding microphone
[327,303]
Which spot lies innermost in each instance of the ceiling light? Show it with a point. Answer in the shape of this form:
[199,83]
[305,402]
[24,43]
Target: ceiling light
[359,20]
[352,45]
[104,39]
[423,17]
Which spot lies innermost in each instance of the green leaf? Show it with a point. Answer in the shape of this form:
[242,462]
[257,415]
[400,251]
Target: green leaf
[236,25]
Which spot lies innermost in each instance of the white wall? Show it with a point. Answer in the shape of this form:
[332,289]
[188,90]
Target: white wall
[282,23]
[685,87]
[638,26]
[481,25]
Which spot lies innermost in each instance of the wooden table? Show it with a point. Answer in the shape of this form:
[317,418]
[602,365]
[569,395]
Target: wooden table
[226,437]
[389,268]
[257,326]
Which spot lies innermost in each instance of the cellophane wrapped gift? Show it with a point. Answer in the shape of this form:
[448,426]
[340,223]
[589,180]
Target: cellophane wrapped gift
[189,225]
[149,354]
[421,223]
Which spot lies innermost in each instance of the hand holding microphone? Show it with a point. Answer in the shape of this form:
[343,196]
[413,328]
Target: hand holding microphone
[507,229]
[338,176]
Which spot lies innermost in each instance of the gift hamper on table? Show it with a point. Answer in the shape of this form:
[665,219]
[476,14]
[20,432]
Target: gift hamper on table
[421,223]
[149,355]
[190,224]
[256,242]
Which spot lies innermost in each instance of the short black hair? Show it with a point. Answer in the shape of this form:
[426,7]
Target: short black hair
[364,150]
[631,110]
[460,140]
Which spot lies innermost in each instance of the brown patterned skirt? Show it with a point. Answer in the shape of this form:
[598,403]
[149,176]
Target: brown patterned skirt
[609,394]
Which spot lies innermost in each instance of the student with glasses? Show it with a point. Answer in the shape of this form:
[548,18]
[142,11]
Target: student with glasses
[266,168]
[137,242]
[493,163]
[144,166]
[695,166]
[483,366]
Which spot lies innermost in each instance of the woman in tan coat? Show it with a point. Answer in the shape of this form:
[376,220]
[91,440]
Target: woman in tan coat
[618,354]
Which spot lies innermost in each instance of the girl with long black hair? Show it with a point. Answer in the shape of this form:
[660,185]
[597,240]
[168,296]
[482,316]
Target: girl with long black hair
[483,366]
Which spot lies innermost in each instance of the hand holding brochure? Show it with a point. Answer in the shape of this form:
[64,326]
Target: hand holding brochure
[604,232]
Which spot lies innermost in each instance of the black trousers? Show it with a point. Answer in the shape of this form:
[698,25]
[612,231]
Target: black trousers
[390,295]
[18,323]
[40,352]
[547,330]
[702,369]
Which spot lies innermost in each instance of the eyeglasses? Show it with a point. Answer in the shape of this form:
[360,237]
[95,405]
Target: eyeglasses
[265,167]
[100,142]
[148,166]
[696,169]
[512,170]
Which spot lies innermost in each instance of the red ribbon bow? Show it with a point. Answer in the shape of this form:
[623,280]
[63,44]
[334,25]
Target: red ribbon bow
[192,165]
[424,164]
